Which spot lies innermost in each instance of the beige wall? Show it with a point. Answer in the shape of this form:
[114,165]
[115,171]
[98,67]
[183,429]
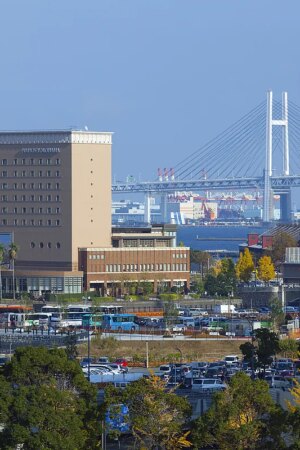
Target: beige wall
[91,196]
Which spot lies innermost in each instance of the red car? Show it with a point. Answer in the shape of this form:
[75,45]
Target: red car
[123,362]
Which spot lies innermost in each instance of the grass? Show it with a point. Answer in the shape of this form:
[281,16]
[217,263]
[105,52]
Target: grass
[163,351]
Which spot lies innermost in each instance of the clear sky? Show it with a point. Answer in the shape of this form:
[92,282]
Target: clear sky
[165,75]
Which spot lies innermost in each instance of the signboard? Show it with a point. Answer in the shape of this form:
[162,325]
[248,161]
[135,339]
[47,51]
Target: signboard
[117,418]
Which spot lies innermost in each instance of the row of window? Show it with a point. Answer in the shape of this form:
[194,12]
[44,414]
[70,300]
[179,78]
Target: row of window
[31,161]
[14,186]
[32,210]
[96,256]
[179,255]
[31,222]
[30,198]
[31,173]
[146,243]
[42,245]
[145,267]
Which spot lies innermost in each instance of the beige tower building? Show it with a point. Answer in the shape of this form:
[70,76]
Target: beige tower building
[55,196]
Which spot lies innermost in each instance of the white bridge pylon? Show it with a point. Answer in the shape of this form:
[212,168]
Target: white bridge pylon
[268,210]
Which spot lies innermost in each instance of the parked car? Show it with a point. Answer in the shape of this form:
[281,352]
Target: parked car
[208,384]
[122,361]
[276,381]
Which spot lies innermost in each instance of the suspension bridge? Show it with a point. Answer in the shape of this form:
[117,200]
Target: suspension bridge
[261,151]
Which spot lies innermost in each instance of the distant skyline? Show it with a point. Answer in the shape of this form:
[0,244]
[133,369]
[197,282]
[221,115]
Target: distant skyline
[165,76]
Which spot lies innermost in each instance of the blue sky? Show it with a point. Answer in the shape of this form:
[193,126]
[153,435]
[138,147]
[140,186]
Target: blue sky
[165,75]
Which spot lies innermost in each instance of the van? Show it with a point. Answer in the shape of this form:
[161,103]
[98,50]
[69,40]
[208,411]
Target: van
[208,384]
[231,360]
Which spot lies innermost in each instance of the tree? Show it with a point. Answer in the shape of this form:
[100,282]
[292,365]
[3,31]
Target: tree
[2,253]
[277,314]
[12,253]
[48,403]
[245,266]
[266,269]
[289,348]
[281,241]
[294,414]
[200,258]
[267,346]
[242,417]
[157,417]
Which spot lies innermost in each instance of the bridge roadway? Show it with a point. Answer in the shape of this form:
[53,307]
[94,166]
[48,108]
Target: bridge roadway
[278,184]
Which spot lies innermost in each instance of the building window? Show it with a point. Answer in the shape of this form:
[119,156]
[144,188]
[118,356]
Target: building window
[57,161]
[48,185]
[15,210]
[23,185]
[23,161]
[23,173]
[41,245]
[32,222]
[40,173]
[15,221]
[4,186]
[15,185]
[32,210]
[4,173]
[57,244]
[31,185]
[4,209]
[57,210]
[15,162]
[15,173]
[32,173]
[32,244]
[32,198]
[40,162]
[15,198]
[4,198]
[23,222]
[49,210]
[4,162]
[56,186]
[57,222]
[40,210]
[4,221]
[48,173]
[40,222]
[32,161]
[57,198]
[49,245]
[49,222]
[40,198]
[23,198]
[48,198]
[57,174]
[24,210]
[48,162]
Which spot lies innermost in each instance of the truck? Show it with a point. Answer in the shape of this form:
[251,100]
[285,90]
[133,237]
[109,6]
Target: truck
[224,308]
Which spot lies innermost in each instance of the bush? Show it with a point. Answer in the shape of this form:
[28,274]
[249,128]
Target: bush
[166,297]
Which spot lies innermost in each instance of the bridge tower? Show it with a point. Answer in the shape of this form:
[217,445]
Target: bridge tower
[285,195]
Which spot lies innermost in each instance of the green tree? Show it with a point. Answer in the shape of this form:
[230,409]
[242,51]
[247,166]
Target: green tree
[50,403]
[281,241]
[266,269]
[243,417]
[277,314]
[245,266]
[12,253]
[267,346]
[203,259]
[289,348]
[157,417]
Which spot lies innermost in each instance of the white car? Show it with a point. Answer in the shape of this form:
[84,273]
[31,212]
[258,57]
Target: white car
[203,384]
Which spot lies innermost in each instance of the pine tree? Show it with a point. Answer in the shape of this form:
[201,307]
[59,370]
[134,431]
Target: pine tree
[266,270]
[244,266]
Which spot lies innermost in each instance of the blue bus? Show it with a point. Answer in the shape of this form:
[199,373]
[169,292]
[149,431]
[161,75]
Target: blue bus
[120,322]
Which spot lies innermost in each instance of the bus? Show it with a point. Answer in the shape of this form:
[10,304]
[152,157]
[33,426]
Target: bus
[74,315]
[12,320]
[92,321]
[37,320]
[108,309]
[120,322]
[56,315]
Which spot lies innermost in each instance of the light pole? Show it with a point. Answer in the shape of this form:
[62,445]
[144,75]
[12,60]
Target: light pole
[89,347]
